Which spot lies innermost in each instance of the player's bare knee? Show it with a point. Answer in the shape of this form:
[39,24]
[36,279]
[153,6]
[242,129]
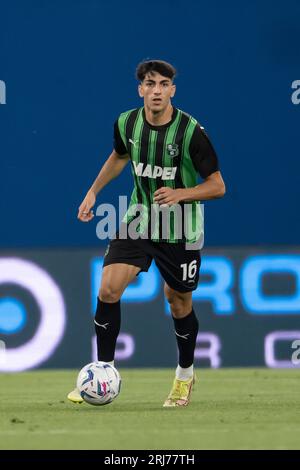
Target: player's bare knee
[109,294]
[175,300]
[178,309]
[180,302]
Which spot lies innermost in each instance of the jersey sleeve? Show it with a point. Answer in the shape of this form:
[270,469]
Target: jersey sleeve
[118,142]
[203,155]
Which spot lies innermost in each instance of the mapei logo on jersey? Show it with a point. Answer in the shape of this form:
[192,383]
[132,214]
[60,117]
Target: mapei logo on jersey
[166,173]
[173,150]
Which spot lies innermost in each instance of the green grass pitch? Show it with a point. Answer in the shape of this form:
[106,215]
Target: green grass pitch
[230,409]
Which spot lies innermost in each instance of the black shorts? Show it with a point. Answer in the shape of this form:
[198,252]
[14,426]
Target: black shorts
[178,266]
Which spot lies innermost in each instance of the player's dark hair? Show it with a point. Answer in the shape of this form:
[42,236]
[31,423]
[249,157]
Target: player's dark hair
[150,66]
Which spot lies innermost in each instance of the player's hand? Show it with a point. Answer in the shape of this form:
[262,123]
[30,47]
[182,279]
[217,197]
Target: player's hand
[85,213]
[167,196]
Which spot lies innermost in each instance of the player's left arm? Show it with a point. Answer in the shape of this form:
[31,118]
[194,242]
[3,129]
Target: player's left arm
[213,187]
[206,163]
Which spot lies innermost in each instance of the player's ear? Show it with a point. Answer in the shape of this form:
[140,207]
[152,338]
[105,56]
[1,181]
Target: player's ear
[173,90]
[140,89]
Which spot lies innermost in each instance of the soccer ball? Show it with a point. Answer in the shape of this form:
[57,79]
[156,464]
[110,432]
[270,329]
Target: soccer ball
[99,383]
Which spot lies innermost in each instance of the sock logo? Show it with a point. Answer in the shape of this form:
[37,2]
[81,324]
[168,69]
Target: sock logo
[102,326]
[182,336]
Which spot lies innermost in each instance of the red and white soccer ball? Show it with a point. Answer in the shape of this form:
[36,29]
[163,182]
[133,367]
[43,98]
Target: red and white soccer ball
[99,383]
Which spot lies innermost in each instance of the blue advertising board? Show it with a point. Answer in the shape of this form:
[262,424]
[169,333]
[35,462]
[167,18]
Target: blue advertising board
[247,303]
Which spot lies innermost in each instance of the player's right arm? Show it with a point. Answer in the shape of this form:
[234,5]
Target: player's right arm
[113,166]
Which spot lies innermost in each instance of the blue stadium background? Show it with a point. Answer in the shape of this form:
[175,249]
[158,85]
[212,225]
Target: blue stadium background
[68,67]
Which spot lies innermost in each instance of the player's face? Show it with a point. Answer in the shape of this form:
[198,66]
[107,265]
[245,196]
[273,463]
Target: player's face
[156,91]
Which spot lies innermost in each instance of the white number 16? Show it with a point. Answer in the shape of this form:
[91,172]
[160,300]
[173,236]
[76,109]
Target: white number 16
[189,270]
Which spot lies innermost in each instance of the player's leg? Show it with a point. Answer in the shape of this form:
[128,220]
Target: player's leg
[115,279]
[123,260]
[186,330]
[180,269]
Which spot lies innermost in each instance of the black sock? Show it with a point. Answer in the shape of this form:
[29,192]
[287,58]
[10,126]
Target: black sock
[107,326]
[186,330]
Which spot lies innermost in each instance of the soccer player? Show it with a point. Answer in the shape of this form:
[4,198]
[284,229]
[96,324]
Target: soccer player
[167,149]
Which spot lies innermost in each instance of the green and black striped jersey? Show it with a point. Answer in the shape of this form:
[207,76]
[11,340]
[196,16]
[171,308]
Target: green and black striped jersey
[168,155]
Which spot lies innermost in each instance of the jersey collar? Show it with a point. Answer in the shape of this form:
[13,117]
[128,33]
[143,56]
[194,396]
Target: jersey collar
[163,126]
